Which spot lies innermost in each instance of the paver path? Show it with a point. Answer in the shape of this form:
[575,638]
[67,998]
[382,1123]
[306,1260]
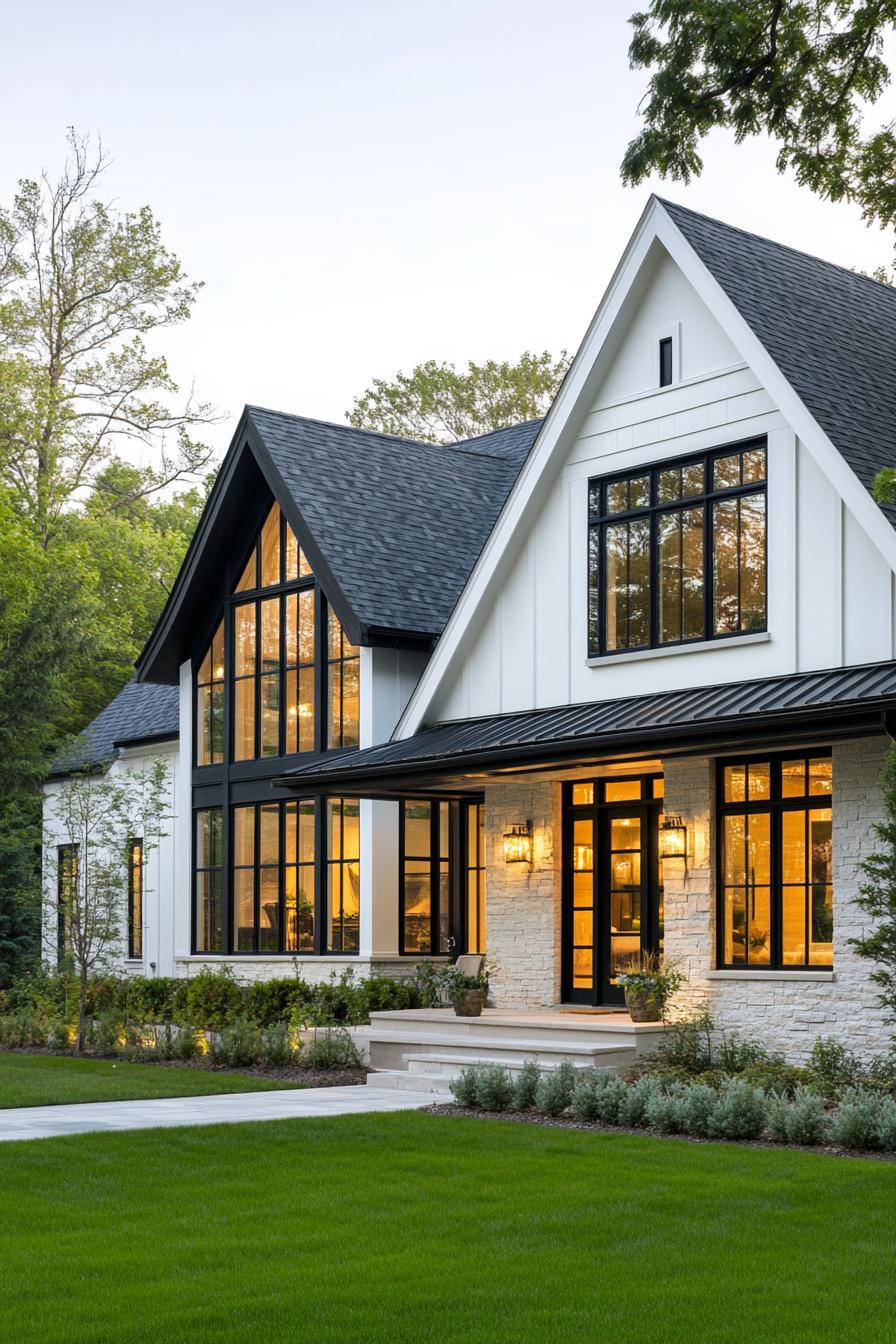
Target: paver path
[45,1122]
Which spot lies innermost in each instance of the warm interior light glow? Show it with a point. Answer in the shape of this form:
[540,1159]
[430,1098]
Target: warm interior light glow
[673,838]
[518,843]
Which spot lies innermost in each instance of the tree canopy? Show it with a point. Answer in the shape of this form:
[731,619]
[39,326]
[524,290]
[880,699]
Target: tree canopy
[802,73]
[439,404]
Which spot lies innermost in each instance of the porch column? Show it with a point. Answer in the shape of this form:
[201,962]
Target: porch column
[522,905]
[379,879]
[688,891]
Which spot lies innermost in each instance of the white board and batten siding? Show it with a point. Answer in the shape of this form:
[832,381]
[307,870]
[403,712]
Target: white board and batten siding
[830,590]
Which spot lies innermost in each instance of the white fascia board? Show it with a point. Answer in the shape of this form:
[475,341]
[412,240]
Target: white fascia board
[807,429]
[576,390]
[654,224]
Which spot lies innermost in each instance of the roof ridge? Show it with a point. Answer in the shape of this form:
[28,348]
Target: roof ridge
[347,429]
[773,242]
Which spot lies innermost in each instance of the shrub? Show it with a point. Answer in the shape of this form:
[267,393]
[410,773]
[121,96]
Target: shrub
[834,1067]
[555,1088]
[801,1121]
[589,1084]
[494,1088]
[185,1043]
[337,1000]
[739,1112]
[856,1121]
[24,1028]
[773,1075]
[332,1050]
[57,1035]
[149,999]
[666,1110]
[281,1000]
[210,999]
[525,1086]
[699,1104]
[235,1046]
[886,1124]
[465,1088]
[386,993]
[103,1035]
[633,1106]
[735,1053]
[276,1046]
[687,1045]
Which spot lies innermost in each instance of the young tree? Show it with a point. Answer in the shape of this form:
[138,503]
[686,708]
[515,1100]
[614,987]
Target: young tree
[82,287]
[97,815]
[438,404]
[877,896]
[801,73]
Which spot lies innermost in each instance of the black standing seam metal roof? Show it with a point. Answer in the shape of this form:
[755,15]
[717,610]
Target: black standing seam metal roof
[142,711]
[609,723]
[400,523]
[831,332]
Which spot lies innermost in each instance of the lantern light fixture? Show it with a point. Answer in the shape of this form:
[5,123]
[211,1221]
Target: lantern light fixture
[673,838]
[518,843]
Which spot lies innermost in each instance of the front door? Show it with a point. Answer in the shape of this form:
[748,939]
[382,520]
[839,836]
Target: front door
[612,893]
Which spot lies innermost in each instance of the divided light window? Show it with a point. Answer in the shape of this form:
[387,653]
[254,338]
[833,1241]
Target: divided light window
[68,869]
[208,863]
[677,552]
[425,877]
[135,898]
[776,904]
[474,872]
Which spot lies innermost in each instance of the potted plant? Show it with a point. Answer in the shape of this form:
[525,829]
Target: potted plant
[649,984]
[466,992]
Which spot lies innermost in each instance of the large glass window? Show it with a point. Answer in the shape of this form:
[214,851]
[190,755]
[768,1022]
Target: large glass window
[775,884]
[210,703]
[474,875]
[208,879]
[425,878]
[677,552]
[68,869]
[256,878]
[343,875]
[343,662]
[298,876]
[135,898]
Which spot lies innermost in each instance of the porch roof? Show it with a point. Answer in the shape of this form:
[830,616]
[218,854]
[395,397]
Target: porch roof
[457,757]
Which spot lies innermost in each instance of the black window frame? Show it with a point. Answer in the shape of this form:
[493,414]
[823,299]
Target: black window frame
[665,361]
[435,859]
[473,876]
[198,872]
[64,876]
[775,806]
[599,518]
[136,892]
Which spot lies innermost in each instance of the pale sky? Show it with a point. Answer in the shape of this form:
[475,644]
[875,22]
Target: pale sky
[363,186]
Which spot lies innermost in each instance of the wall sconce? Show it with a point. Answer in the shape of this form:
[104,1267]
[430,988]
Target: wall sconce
[518,843]
[674,839]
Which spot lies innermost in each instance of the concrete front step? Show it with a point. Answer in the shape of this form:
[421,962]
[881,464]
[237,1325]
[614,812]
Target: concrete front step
[451,1064]
[435,1073]
[556,1026]
[392,1050]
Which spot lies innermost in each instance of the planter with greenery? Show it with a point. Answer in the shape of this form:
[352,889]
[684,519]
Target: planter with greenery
[468,993]
[648,986]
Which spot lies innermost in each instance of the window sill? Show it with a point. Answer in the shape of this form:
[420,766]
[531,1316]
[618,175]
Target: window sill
[704,646]
[811,976]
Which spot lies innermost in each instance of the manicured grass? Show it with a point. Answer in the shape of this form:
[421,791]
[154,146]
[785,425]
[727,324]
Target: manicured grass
[49,1080]
[410,1227]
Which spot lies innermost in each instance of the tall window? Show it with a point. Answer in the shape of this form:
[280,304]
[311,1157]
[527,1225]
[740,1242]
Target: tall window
[474,875]
[256,878]
[775,887]
[135,898]
[298,876]
[210,703]
[677,552]
[425,885]
[343,892]
[343,661]
[68,868]
[208,880]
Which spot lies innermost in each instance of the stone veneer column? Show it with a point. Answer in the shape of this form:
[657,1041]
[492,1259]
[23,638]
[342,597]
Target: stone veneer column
[522,904]
[689,912]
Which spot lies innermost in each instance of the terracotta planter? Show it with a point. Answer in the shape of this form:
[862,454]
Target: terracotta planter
[470,1003]
[643,1006]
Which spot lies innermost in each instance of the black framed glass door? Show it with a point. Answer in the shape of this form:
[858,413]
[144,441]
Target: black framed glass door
[612,883]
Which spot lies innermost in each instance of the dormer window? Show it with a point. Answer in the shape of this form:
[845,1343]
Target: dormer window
[677,552]
[665,361]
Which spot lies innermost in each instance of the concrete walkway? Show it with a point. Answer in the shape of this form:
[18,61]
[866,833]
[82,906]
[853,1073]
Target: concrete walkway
[232,1108]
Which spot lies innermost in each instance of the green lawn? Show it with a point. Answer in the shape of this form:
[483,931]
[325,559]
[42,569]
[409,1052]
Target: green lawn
[408,1227]
[48,1080]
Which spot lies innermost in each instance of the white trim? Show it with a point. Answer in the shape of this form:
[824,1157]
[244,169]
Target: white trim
[809,976]
[633,397]
[574,399]
[704,646]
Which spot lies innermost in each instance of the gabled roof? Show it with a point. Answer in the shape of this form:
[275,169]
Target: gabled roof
[831,332]
[391,526]
[758,711]
[141,712]
[400,523]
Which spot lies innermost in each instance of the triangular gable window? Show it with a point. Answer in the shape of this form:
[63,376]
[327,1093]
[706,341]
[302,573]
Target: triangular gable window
[276,556]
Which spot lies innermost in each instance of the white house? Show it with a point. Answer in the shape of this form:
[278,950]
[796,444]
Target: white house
[418,694]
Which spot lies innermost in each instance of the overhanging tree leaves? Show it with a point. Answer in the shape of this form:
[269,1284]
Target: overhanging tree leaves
[439,404]
[802,73]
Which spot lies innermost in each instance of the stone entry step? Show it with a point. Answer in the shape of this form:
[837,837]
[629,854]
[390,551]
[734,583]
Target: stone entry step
[435,1073]
[394,1050]
[547,1025]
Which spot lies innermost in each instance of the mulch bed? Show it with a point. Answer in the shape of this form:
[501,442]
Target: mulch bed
[595,1127]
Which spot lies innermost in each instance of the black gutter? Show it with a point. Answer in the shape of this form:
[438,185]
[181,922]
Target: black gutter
[755,732]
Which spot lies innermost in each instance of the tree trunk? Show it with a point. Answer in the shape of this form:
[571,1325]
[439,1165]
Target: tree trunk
[82,1012]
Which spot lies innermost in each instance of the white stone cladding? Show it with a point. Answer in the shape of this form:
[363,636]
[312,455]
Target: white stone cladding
[313,970]
[523,904]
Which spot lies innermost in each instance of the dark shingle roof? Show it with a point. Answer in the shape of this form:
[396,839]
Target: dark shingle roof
[617,726]
[400,523]
[831,332]
[142,710]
